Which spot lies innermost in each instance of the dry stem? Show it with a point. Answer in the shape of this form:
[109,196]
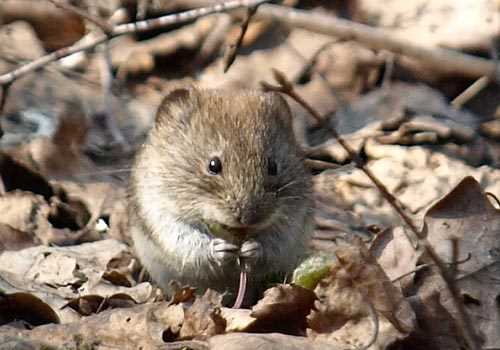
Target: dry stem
[128,28]
[287,88]
[439,60]
[463,320]
[233,48]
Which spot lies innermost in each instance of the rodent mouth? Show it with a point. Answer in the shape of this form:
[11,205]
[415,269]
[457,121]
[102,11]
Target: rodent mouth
[230,232]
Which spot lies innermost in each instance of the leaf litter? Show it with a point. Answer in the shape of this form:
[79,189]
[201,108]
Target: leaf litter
[68,275]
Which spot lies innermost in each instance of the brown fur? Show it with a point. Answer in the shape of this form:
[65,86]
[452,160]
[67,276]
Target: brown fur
[174,196]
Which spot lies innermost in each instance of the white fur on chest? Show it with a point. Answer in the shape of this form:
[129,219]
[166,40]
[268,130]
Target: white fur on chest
[175,250]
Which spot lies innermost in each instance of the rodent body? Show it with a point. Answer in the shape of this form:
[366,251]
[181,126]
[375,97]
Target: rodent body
[226,160]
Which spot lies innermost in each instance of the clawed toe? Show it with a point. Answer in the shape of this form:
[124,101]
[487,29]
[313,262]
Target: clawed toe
[221,251]
[251,250]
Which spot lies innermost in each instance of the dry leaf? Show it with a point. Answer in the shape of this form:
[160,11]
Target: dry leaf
[273,341]
[171,320]
[14,239]
[467,217]
[284,309]
[32,204]
[238,320]
[396,255]
[437,329]
[203,319]
[356,288]
[26,307]
[128,329]
[56,274]
[91,303]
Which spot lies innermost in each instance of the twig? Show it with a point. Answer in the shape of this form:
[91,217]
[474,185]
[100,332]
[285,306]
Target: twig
[128,28]
[376,326]
[107,84]
[214,39]
[389,68]
[320,165]
[305,72]
[487,194]
[463,320]
[106,72]
[425,266]
[479,84]
[101,305]
[470,92]
[309,69]
[440,60]
[3,100]
[287,88]
[415,270]
[232,50]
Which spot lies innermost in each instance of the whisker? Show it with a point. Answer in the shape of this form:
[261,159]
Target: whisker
[104,172]
[292,197]
[286,185]
[113,171]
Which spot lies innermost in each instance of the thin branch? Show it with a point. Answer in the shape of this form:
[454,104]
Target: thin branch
[106,70]
[438,59]
[3,100]
[470,92]
[463,319]
[488,194]
[232,50]
[310,64]
[479,84]
[128,28]
[376,326]
[425,266]
[389,68]
[287,88]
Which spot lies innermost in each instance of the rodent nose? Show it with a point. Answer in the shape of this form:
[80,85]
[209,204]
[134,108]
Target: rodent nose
[250,216]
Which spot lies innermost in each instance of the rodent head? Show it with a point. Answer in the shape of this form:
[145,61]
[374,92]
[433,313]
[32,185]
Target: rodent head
[226,157]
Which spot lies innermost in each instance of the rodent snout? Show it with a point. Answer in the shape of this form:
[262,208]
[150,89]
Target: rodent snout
[251,215]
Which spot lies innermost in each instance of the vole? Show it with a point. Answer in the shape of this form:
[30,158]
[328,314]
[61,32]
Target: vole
[219,179]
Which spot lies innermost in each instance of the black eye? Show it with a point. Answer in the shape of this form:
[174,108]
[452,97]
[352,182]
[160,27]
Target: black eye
[272,167]
[215,166]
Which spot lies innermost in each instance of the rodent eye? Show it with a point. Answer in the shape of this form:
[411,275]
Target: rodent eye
[272,167]
[215,166]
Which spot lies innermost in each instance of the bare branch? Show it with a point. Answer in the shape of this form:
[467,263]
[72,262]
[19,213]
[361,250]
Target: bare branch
[470,92]
[134,27]
[376,326]
[479,84]
[440,60]
[287,88]
[463,319]
[233,48]
[426,266]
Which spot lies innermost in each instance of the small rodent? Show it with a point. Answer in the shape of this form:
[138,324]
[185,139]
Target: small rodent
[220,161]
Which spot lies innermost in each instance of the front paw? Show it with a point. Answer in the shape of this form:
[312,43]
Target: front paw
[222,252]
[251,251]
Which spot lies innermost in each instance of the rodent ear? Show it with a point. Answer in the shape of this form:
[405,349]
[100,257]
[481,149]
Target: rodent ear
[177,105]
[280,107]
